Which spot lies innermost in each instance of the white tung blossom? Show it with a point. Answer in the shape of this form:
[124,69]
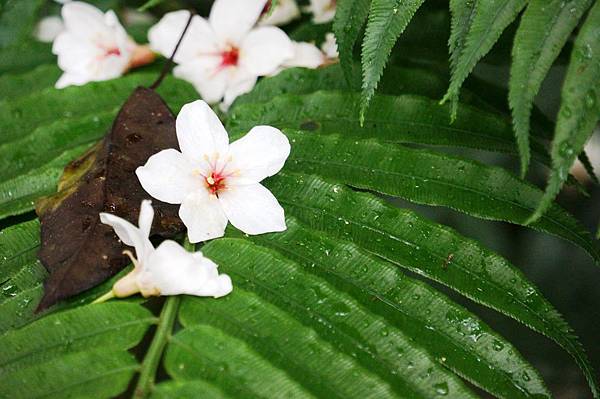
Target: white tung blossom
[323,10]
[94,46]
[224,55]
[329,46]
[215,181]
[166,270]
[284,12]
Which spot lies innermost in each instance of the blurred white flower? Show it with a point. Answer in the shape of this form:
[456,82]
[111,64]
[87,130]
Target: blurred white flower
[329,46]
[323,10]
[166,270]
[215,181]
[48,28]
[306,55]
[284,12]
[224,55]
[94,46]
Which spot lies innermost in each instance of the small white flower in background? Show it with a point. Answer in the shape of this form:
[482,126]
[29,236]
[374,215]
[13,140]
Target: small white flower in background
[284,12]
[48,28]
[306,55]
[215,181]
[166,270]
[224,55]
[329,46]
[323,10]
[94,46]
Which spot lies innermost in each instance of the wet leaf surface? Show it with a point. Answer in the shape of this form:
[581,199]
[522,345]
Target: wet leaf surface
[79,251]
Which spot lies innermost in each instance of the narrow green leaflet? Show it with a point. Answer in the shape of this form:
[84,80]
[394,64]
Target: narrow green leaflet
[432,178]
[84,351]
[483,28]
[543,31]
[350,16]
[436,252]
[454,336]
[273,319]
[391,119]
[579,108]
[387,20]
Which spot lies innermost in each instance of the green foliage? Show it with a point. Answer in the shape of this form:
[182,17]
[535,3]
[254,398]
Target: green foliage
[387,21]
[580,108]
[329,307]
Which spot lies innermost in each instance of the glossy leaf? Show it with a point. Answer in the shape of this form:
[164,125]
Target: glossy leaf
[543,31]
[477,27]
[431,178]
[350,16]
[387,20]
[580,107]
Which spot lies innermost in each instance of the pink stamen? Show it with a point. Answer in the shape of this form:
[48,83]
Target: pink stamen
[215,182]
[113,51]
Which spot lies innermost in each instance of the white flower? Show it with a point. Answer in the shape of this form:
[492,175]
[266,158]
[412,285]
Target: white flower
[306,55]
[329,46]
[284,12]
[166,270]
[48,28]
[323,10]
[222,56]
[94,46]
[215,181]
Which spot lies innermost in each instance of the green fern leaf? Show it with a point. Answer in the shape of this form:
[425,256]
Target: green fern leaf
[477,25]
[579,110]
[544,29]
[350,16]
[387,21]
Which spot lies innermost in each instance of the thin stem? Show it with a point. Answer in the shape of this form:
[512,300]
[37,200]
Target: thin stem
[154,354]
[169,62]
[109,295]
[159,341]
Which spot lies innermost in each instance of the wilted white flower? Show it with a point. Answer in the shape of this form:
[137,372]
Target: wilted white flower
[48,28]
[215,181]
[323,10]
[329,46]
[94,46]
[284,12]
[166,270]
[224,55]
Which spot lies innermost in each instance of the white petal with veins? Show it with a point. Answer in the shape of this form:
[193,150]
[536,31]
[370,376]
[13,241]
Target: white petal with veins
[168,176]
[253,209]
[203,215]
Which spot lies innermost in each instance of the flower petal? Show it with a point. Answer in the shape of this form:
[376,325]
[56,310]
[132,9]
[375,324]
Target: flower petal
[233,19]
[174,271]
[259,154]
[203,73]
[83,19]
[129,234]
[285,11]
[203,216]
[168,176]
[200,132]
[264,50]
[49,28]
[199,39]
[240,82]
[306,55]
[253,209]
[146,217]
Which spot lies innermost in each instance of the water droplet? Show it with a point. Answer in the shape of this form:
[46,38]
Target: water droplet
[590,99]
[441,388]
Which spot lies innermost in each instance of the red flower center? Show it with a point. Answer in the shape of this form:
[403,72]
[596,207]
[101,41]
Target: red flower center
[230,57]
[215,182]
[113,51]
